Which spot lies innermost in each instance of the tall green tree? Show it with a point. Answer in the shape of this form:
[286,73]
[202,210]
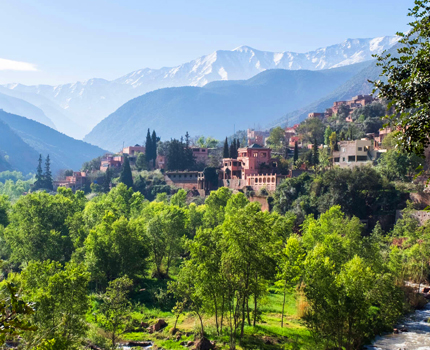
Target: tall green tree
[315,153]
[153,147]
[39,227]
[126,176]
[406,80]
[39,183]
[47,176]
[114,248]
[107,180]
[296,152]
[226,152]
[148,147]
[116,308]
[61,303]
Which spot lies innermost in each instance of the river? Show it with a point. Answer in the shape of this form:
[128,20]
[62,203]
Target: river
[416,338]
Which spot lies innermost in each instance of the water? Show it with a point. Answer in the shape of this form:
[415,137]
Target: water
[417,337]
[127,347]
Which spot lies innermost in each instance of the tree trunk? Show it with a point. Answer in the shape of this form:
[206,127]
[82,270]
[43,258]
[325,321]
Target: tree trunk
[283,308]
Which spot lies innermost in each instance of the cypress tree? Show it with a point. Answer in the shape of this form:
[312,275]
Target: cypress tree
[148,147]
[39,175]
[107,180]
[231,152]
[315,159]
[126,176]
[154,147]
[225,153]
[47,177]
[296,152]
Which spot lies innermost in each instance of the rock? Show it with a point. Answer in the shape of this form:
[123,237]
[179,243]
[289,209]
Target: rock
[144,325]
[183,343]
[403,329]
[204,344]
[395,331]
[173,330]
[190,343]
[156,327]
[426,289]
[178,337]
[267,340]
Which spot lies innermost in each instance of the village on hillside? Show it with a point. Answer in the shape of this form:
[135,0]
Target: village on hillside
[257,165]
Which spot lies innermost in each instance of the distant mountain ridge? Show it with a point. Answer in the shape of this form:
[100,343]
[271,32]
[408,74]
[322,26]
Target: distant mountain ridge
[356,85]
[214,109]
[87,103]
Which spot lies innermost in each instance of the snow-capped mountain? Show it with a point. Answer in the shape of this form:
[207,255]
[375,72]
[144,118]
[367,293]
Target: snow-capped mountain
[91,101]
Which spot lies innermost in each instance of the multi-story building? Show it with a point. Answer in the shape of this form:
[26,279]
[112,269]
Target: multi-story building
[254,167]
[132,150]
[111,162]
[256,137]
[316,115]
[201,154]
[355,153]
[77,181]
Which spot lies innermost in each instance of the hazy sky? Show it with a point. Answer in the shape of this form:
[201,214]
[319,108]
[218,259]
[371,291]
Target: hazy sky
[59,41]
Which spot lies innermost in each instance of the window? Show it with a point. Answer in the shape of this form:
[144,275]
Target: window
[263,155]
[203,150]
[336,160]
[361,158]
[225,164]
[360,149]
[343,159]
[255,155]
[351,158]
[343,149]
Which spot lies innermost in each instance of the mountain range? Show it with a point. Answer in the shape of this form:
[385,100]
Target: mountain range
[77,107]
[218,107]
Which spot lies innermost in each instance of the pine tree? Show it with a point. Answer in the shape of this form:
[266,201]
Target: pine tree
[148,147]
[47,177]
[296,152]
[39,176]
[126,176]
[154,147]
[225,153]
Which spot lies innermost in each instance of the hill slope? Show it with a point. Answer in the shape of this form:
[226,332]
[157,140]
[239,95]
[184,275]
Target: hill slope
[217,107]
[64,151]
[15,154]
[88,102]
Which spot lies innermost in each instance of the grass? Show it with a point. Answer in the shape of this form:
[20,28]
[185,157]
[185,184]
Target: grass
[267,334]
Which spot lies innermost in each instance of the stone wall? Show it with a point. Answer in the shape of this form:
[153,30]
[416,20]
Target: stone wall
[262,200]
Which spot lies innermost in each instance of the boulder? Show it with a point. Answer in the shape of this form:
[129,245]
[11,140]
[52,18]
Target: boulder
[160,324]
[190,343]
[426,289]
[204,344]
[395,331]
[144,325]
[403,329]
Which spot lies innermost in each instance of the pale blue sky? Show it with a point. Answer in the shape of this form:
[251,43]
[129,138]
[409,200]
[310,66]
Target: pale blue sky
[74,40]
